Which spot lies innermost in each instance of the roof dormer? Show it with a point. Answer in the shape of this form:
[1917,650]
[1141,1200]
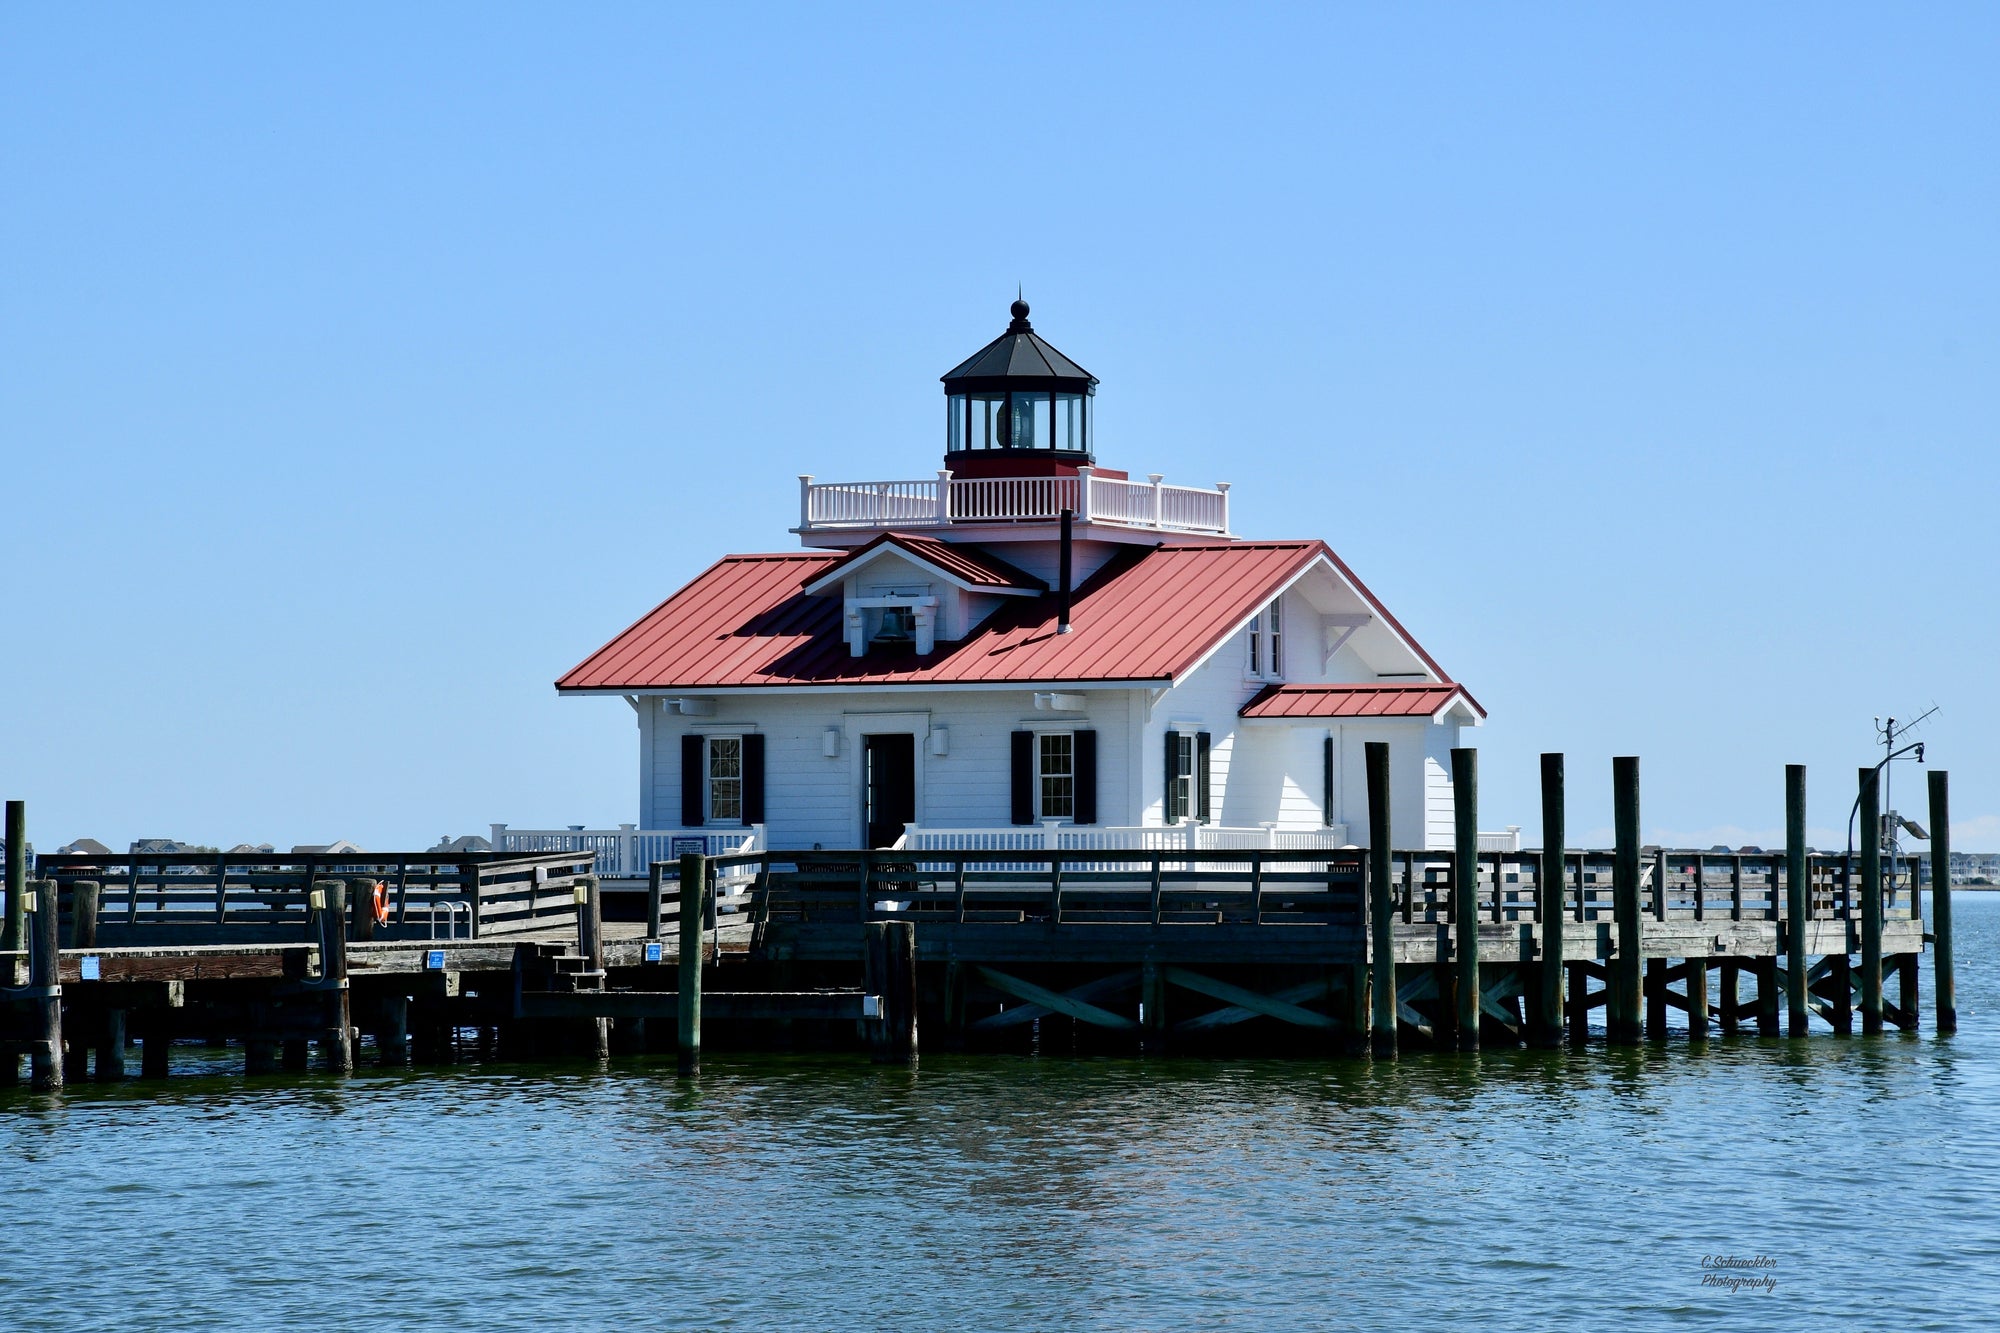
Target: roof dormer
[907,593]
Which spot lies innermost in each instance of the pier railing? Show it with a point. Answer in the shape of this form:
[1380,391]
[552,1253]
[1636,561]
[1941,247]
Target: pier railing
[205,897]
[1272,886]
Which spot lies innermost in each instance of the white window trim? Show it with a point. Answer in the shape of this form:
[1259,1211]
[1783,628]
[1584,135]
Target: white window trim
[1042,815]
[708,815]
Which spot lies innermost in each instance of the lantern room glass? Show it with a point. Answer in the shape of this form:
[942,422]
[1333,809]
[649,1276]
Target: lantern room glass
[1021,420]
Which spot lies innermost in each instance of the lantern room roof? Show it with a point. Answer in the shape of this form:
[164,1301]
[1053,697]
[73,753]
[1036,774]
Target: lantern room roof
[1020,358]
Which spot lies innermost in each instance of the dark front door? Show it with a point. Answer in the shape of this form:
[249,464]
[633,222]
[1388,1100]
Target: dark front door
[888,786]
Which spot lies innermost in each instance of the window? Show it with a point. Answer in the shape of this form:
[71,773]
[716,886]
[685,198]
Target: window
[1267,643]
[725,779]
[1180,778]
[1187,776]
[1055,774]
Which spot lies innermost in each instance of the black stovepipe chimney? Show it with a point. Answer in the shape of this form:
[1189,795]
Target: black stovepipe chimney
[1062,595]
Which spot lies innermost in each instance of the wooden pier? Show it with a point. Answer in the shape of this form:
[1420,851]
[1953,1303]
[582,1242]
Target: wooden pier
[393,959]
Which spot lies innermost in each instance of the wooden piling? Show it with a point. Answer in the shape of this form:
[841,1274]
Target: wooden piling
[1871,902]
[1656,997]
[892,976]
[1798,902]
[1624,977]
[111,1047]
[361,910]
[260,1055]
[694,879]
[337,1041]
[392,1036]
[1729,987]
[1578,1009]
[85,896]
[1944,986]
[596,1032]
[1465,895]
[45,994]
[1769,1001]
[1547,1027]
[14,932]
[1152,1007]
[1381,892]
[1697,997]
[656,885]
[155,1042]
[1840,978]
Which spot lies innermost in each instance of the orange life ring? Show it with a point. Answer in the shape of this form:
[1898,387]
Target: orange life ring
[381,904]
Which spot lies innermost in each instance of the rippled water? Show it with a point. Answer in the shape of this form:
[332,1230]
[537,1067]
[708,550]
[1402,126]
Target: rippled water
[1509,1190]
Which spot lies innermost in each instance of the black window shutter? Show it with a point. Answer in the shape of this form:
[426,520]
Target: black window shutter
[1086,777]
[1024,777]
[753,778]
[1326,779]
[692,778]
[1201,776]
[1171,812]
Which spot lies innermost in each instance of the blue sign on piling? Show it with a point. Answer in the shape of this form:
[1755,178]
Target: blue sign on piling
[434,960]
[91,968]
[653,954]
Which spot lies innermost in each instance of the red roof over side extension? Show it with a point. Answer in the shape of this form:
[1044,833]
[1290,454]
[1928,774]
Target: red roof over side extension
[964,563]
[1150,614]
[1356,700]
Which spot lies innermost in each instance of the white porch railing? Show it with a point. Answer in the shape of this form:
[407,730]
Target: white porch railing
[628,851]
[1510,841]
[945,500]
[1054,836]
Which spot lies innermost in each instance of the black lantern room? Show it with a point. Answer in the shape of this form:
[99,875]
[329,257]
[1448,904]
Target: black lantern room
[1018,407]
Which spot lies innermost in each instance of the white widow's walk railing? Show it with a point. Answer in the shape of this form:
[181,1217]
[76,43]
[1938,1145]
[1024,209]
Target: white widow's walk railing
[945,499]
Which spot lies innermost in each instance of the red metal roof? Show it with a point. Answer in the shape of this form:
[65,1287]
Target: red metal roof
[1356,700]
[1150,614]
[968,564]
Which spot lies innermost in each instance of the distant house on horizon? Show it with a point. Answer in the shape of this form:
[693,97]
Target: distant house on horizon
[337,847]
[84,847]
[471,842]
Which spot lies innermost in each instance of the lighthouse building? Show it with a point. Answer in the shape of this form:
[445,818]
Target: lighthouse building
[1024,648]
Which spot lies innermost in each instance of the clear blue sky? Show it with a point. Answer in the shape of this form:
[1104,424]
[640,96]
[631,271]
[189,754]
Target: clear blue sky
[362,369]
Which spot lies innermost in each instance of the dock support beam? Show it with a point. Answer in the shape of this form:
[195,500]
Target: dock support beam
[694,879]
[1382,950]
[1624,975]
[46,1060]
[1871,902]
[1798,901]
[1547,1028]
[1944,987]
[1465,894]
